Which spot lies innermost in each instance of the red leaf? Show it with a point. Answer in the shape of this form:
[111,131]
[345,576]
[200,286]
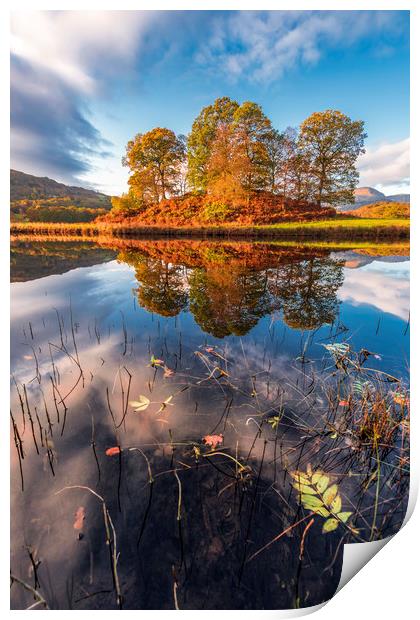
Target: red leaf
[79,518]
[343,403]
[113,451]
[213,440]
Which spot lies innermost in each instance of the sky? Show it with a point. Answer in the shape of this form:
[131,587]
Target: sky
[83,83]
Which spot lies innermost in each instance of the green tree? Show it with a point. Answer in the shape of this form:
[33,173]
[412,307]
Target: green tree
[203,133]
[155,160]
[331,143]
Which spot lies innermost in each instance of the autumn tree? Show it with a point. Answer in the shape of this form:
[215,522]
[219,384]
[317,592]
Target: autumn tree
[127,204]
[308,291]
[228,301]
[162,285]
[274,143]
[251,130]
[201,137]
[331,143]
[155,160]
[225,165]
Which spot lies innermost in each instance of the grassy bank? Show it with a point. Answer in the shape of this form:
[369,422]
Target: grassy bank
[321,229]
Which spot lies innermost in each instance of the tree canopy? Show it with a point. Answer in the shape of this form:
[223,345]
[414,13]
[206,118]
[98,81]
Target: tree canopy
[233,152]
[155,159]
[331,143]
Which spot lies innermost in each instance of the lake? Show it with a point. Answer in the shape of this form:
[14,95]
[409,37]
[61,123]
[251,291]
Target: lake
[203,424]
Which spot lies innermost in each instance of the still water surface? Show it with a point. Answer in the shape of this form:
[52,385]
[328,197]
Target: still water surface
[224,340]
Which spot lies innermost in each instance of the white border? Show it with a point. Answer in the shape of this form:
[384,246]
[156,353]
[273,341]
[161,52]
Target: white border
[387,587]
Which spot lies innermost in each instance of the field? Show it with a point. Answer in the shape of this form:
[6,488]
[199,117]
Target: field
[321,229]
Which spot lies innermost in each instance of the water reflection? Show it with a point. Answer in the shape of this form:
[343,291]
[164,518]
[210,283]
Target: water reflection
[227,291]
[195,528]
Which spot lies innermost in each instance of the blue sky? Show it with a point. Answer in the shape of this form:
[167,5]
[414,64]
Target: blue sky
[84,83]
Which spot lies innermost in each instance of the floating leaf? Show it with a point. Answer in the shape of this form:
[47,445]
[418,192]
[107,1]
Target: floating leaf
[316,476]
[168,372]
[79,518]
[113,451]
[273,421]
[141,404]
[155,362]
[330,525]
[336,504]
[330,494]
[344,403]
[302,488]
[322,512]
[300,476]
[344,516]
[321,483]
[213,440]
[337,349]
[165,403]
[311,501]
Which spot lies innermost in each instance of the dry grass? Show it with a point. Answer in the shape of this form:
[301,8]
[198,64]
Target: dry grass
[356,228]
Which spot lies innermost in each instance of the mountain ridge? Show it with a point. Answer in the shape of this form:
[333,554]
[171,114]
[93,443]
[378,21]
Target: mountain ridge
[22,183]
[369,195]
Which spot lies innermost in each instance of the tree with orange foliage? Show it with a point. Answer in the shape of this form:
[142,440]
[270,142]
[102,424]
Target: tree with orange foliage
[155,160]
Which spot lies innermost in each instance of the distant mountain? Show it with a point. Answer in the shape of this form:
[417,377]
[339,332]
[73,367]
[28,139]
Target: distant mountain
[43,199]
[369,195]
[28,187]
[353,259]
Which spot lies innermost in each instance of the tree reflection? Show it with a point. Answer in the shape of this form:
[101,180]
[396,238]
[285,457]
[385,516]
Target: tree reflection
[228,300]
[229,296]
[163,287]
[308,291]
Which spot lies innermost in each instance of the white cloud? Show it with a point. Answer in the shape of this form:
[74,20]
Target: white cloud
[61,60]
[263,45]
[75,45]
[386,166]
[372,287]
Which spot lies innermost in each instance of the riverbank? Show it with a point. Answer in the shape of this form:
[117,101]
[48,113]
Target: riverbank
[372,229]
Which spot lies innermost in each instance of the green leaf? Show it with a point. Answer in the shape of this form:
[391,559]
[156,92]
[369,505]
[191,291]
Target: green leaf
[303,488]
[311,502]
[322,512]
[316,476]
[336,504]
[344,516]
[330,525]
[322,484]
[300,476]
[329,494]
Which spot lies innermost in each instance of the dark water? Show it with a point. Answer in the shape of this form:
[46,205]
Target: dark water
[239,331]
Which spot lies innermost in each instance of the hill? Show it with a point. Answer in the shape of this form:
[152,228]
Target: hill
[370,195]
[383,210]
[200,209]
[42,199]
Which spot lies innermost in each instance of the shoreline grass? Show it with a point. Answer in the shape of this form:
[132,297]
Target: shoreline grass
[320,229]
